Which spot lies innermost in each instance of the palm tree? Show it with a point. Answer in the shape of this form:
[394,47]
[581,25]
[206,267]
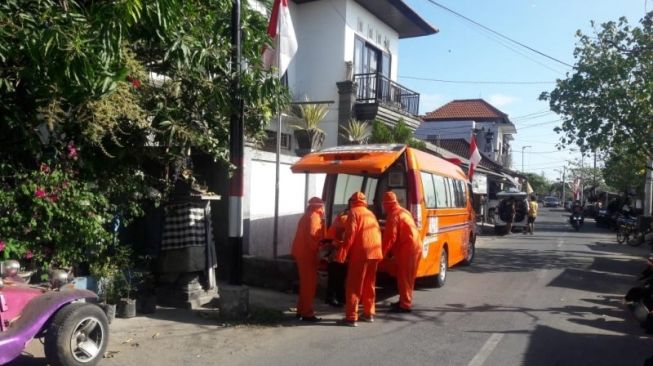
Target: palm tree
[357,132]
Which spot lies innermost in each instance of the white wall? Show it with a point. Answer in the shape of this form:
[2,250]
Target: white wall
[445,129]
[260,174]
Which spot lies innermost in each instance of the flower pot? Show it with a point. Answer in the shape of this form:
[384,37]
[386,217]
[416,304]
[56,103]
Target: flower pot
[126,308]
[309,140]
[109,310]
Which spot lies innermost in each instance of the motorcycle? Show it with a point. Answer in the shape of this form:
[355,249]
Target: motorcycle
[627,231]
[576,220]
[75,331]
[639,299]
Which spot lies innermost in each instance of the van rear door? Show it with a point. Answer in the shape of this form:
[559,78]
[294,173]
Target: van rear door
[352,159]
[352,169]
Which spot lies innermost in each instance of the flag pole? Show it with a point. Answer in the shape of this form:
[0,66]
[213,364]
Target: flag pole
[236,152]
[277,166]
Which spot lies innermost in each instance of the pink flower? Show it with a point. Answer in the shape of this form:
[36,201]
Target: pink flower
[44,168]
[72,151]
[2,245]
[39,193]
[29,254]
[135,82]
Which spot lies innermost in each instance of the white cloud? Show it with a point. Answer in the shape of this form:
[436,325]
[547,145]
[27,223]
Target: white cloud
[430,102]
[501,100]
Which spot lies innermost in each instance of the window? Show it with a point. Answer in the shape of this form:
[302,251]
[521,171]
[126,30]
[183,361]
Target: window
[346,185]
[369,59]
[440,191]
[429,190]
[270,142]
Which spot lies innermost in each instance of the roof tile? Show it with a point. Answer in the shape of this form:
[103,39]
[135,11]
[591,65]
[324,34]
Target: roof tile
[465,109]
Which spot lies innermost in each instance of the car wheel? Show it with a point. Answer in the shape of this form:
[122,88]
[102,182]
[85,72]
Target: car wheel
[78,335]
[470,251]
[441,277]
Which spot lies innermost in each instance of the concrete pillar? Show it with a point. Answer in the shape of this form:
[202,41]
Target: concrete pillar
[346,100]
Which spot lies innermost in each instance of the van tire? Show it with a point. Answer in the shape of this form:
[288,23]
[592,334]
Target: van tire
[441,277]
[471,251]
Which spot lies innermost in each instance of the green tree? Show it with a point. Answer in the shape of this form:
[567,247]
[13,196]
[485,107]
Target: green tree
[107,94]
[399,134]
[605,102]
[539,183]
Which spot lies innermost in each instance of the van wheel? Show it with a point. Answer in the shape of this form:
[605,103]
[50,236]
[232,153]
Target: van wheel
[471,251]
[441,277]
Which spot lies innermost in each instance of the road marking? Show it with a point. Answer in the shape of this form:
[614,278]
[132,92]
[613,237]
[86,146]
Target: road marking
[486,350]
[560,242]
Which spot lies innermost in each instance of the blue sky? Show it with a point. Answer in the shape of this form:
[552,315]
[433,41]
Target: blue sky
[464,52]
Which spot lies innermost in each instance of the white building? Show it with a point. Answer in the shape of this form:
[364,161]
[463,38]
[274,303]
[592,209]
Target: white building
[347,54]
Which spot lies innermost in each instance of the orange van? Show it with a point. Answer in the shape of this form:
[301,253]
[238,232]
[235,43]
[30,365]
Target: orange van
[436,192]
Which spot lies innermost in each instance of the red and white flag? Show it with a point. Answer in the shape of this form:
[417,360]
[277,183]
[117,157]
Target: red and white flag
[474,157]
[282,33]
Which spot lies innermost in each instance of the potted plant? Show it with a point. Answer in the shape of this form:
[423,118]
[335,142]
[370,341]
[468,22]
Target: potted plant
[124,291]
[357,132]
[307,131]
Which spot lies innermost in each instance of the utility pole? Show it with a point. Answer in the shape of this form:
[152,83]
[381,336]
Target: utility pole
[648,188]
[522,157]
[564,169]
[236,152]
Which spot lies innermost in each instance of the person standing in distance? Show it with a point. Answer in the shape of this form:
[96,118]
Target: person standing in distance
[402,238]
[362,242]
[310,231]
[532,214]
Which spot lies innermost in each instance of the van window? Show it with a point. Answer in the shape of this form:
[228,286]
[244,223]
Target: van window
[429,190]
[459,193]
[440,191]
[346,185]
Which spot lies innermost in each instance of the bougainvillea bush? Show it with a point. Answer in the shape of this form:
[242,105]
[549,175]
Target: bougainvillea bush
[99,103]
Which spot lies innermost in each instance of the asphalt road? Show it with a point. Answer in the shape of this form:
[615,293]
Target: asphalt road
[553,298]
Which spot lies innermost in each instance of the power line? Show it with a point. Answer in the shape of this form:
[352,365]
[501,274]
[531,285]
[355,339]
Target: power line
[499,34]
[476,81]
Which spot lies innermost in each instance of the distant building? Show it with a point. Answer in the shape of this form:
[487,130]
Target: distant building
[459,118]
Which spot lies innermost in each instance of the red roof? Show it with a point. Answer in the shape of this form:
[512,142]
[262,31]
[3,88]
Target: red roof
[465,109]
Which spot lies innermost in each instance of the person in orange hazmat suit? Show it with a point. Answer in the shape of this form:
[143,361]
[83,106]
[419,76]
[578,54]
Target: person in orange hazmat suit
[362,242]
[310,230]
[402,238]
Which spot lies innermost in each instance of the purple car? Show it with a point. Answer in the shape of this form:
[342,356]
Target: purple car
[76,332]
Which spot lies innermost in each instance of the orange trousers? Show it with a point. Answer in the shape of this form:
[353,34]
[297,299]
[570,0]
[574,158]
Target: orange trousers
[307,269]
[406,272]
[360,287]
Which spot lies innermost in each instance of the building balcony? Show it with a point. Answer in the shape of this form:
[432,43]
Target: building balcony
[378,89]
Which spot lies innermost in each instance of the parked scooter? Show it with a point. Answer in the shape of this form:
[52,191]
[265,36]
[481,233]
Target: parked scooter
[640,298]
[75,332]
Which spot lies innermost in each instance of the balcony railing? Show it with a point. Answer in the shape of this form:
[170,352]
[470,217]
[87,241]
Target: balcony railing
[376,88]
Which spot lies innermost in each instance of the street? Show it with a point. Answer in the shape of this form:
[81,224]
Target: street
[553,298]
